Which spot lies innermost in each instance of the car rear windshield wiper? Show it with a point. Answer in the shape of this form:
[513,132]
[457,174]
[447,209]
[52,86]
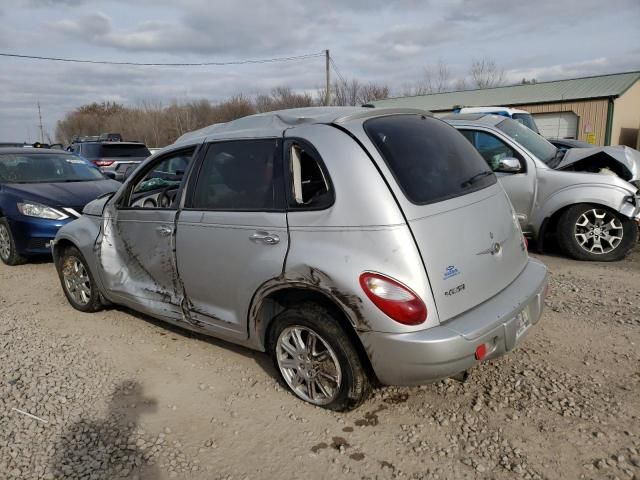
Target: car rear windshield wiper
[476,177]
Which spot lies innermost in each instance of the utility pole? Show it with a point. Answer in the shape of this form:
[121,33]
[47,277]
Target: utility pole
[327,98]
[41,129]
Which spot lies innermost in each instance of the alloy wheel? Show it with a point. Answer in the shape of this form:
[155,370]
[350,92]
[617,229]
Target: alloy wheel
[76,280]
[5,242]
[598,231]
[309,365]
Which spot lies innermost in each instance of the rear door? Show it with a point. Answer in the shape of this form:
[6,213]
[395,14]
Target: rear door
[232,234]
[460,217]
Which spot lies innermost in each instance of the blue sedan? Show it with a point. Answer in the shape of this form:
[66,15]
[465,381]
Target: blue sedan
[41,190]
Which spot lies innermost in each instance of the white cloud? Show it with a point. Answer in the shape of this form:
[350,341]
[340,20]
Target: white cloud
[374,40]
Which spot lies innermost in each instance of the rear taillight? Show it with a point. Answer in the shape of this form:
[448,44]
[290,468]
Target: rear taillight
[526,242]
[102,163]
[393,298]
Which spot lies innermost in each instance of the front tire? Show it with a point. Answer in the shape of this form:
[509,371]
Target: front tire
[77,282]
[8,252]
[316,358]
[596,233]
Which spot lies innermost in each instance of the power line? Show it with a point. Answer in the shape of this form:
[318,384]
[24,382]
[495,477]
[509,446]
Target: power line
[137,64]
[337,70]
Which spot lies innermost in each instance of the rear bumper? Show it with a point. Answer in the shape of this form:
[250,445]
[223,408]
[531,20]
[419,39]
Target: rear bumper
[440,352]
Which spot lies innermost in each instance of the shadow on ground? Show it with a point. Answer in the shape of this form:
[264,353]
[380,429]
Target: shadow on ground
[106,448]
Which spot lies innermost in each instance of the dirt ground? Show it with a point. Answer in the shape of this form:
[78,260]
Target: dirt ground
[124,396]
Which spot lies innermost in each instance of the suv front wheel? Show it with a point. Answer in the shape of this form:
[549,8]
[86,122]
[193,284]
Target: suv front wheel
[594,232]
[316,359]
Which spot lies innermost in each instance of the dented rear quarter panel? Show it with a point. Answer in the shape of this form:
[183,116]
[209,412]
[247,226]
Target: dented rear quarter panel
[364,230]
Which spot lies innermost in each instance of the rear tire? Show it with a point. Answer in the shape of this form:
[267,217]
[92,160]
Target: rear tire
[316,359]
[8,252]
[77,282]
[596,233]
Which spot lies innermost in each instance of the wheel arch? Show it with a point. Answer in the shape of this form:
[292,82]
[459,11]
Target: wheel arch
[274,299]
[608,196]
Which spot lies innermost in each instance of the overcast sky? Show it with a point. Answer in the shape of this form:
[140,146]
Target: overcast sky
[388,41]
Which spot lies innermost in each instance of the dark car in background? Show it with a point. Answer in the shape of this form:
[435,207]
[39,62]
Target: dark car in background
[41,190]
[111,157]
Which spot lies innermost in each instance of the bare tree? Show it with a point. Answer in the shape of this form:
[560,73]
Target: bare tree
[435,79]
[371,92]
[485,73]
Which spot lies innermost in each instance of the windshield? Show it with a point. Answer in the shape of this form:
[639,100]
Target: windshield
[529,139]
[527,120]
[46,168]
[429,159]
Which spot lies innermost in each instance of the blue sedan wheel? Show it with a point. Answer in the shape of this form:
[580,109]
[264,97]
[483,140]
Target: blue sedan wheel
[8,253]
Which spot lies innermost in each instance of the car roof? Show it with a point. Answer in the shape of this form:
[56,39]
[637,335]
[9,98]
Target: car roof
[272,124]
[31,150]
[474,118]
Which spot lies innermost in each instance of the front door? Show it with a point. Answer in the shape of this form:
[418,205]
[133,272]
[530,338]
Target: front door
[520,185]
[136,249]
[232,233]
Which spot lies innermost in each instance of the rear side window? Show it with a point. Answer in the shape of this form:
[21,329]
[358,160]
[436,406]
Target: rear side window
[309,186]
[429,159]
[239,175]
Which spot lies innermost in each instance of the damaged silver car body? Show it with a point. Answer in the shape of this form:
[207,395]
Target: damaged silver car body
[327,237]
[587,197]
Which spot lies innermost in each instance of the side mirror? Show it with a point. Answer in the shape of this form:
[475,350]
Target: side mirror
[110,174]
[509,165]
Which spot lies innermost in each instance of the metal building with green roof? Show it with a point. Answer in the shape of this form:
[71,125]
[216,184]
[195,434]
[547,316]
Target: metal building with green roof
[603,109]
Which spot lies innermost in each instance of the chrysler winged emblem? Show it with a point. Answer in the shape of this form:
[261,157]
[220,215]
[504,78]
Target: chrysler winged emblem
[495,248]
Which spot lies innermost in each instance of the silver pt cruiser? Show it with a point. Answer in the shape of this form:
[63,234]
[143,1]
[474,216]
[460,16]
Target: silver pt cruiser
[356,246]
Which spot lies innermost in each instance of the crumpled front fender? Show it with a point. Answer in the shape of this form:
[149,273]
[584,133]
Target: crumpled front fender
[614,197]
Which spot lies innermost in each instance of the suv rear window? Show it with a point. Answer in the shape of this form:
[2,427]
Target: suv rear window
[115,150]
[429,159]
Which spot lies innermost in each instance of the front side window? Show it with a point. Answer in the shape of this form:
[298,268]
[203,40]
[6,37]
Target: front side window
[429,159]
[46,168]
[238,175]
[490,147]
[159,185]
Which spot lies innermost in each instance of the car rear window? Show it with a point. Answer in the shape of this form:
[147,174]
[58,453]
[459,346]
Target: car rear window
[429,159]
[116,150]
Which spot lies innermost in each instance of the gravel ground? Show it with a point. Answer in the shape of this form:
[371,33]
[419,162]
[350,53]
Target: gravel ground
[118,395]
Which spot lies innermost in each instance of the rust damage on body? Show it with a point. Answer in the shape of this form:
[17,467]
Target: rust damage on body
[312,279]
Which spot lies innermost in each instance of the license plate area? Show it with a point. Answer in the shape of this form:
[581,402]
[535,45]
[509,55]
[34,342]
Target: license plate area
[523,322]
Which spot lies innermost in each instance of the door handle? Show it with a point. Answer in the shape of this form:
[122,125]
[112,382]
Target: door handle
[164,230]
[264,237]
